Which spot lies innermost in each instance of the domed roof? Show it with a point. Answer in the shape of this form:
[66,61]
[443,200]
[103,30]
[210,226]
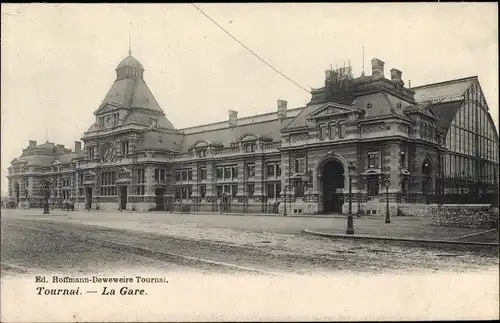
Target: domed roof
[130,61]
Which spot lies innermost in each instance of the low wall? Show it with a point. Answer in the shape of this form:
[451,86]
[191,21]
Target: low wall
[470,216]
[406,209]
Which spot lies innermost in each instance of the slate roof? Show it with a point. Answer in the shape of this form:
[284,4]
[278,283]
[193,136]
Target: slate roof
[133,94]
[141,118]
[226,135]
[301,119]
[130,61]
[439,91]
[38,160]
[155,139]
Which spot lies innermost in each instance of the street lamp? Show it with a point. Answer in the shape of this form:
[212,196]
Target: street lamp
[350,224]
[387,215]
[284,195]
[46,186]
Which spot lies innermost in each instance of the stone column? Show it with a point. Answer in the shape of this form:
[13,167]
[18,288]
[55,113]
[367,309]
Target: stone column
[210,179]
[149,174]
[195,181]
[259,172]
[241,178]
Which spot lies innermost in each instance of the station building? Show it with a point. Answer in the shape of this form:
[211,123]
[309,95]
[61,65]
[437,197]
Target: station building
[400,143]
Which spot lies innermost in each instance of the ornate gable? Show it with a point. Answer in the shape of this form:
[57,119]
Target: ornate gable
[330,110]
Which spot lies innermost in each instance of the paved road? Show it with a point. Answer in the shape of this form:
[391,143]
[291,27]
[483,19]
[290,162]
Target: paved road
[104,242]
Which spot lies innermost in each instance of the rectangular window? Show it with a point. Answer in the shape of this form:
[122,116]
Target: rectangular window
[333,131]
[160,175]
[234,190]
[141,179]
[270,190]
[300,165]
[91,152]
[322,132]
[235,172]
[278,170]
[403,159]
[270,170]
[250,190]
[373,159]
[227,189]
[203,173]
[177,176]
[203,191]
[220,172]
[250,170]
[341,130]
[190,191]
[125,147]
[219,190]
[184,192]
[184,175]
[202,153]
[190,175]
[177,193]
[227,173]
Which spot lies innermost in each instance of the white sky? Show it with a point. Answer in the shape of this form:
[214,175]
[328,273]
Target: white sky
[58,61]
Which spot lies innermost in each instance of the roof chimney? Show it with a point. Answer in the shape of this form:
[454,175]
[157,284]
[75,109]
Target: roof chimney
[282,109]
[78,146]
[377,67]
[396,76]
[32,144]
[233,118]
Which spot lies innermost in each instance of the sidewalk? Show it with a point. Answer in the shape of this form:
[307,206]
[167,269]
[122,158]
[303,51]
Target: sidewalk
[411,229]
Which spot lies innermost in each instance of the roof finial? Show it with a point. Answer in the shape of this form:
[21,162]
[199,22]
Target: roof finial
[129,40]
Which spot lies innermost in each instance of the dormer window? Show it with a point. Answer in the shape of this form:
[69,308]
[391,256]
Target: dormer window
[250,148]
[202,153]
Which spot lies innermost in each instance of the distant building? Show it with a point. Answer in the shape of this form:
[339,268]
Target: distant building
[430,141]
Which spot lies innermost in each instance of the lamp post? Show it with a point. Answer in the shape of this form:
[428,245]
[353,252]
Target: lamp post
[387,215]
[46,185]
[350,222]
[284,195]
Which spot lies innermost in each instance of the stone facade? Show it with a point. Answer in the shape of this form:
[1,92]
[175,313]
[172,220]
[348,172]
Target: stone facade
[292,160]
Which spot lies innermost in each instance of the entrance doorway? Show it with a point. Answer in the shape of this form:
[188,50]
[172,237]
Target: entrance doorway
[159,199]
[16,193]
[333,185]
[88,199]
[123,197]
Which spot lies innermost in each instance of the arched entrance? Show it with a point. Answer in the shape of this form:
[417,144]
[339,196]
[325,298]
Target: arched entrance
[427,179]
[333,181]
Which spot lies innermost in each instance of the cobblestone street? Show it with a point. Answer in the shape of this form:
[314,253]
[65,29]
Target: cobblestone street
[264,244]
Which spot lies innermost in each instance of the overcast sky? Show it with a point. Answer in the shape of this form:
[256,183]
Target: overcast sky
[58,61]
